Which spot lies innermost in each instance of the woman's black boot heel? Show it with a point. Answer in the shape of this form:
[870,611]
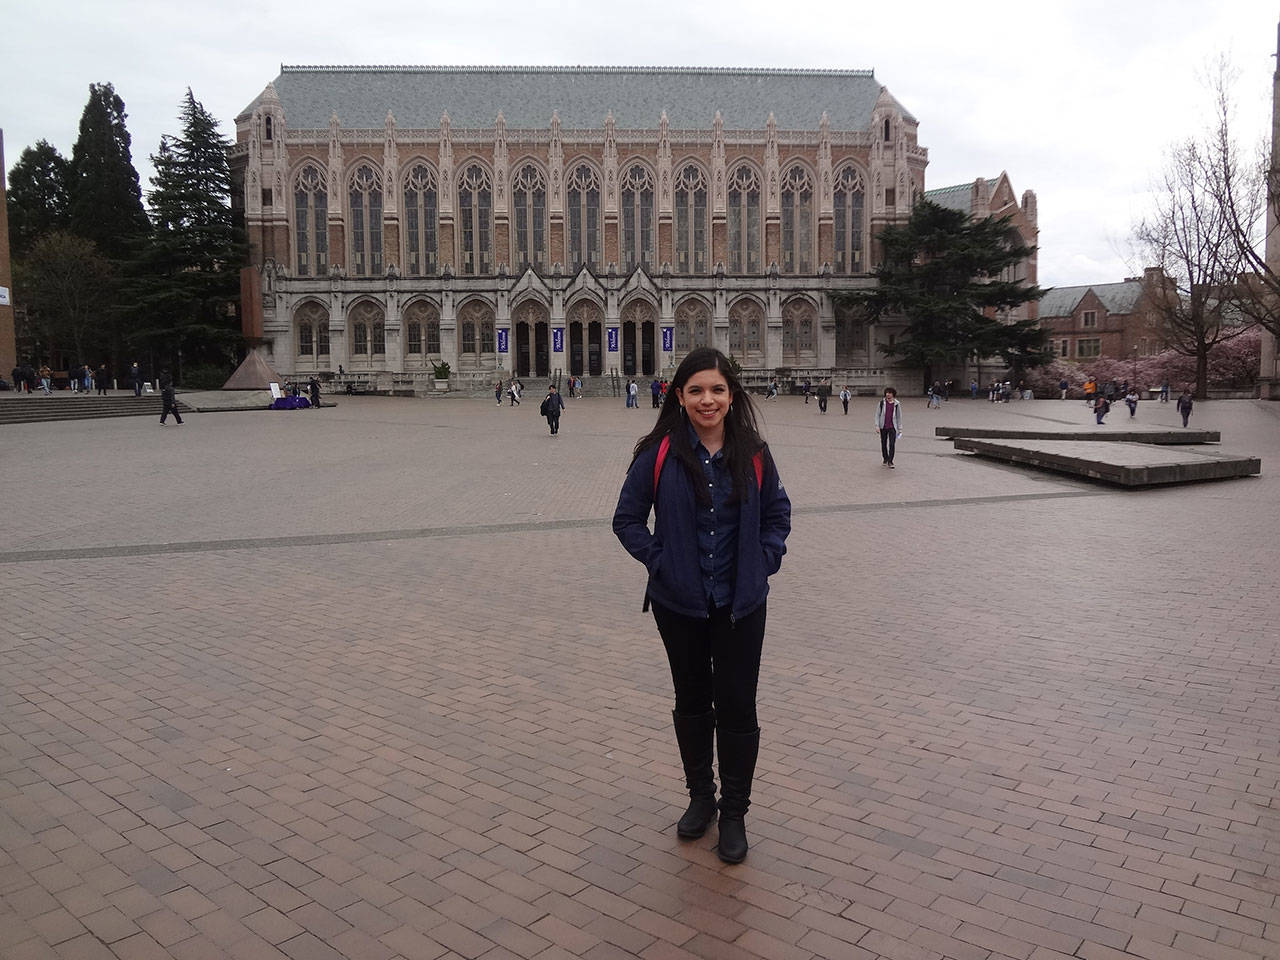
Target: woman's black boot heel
[738,752]
[696,737]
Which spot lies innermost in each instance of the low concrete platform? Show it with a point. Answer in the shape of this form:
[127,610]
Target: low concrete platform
[226,401]
[1160,436]
[1123,464]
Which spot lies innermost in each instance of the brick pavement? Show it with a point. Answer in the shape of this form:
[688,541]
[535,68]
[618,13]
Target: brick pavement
[373,682]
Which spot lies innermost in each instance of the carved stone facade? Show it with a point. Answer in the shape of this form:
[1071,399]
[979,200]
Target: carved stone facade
[649,212]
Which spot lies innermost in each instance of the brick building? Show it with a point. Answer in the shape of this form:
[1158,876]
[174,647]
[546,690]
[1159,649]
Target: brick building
[531,220]
[1115,320]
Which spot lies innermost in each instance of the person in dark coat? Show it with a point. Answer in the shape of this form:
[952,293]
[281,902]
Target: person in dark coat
[1185,403]
[313,387]
[552,406]
[169,396]
[721,520]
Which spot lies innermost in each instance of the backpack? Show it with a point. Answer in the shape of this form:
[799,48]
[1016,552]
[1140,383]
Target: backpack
[545,409]
[664,447]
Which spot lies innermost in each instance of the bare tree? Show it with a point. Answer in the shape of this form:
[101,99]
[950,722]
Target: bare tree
[1245,185]
[1190,238]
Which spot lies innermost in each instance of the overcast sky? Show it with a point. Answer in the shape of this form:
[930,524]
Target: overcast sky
[1076,100]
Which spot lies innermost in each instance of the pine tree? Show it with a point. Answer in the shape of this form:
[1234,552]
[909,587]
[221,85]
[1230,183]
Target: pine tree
[105,197]
[37,196]
[189,279]
[942,272]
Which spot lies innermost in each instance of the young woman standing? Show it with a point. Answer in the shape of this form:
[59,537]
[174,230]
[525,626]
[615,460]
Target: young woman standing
[721,520]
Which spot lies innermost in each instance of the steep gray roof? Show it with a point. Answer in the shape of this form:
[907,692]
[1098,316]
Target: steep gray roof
[417,96]
[958,197]
[1116,297]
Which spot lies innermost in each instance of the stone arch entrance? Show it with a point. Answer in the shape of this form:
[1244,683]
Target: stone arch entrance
[531,323]
[586,339]
[639,327]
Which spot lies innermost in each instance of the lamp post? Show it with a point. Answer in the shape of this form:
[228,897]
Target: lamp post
[1133,380]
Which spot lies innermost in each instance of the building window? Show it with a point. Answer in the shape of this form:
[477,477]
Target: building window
[1089,319]
[365,197]
[799,321]
[368,335]
[475,220]
[1064,348]
[266,197]
[637,217]
[691,220]
[582,193]
[310,222]
[423,325]
[529,212]
[693,325]
[420,220]
[746,322]
[888,131]
[475,330]
[890,197]
[1088,348]
[266,129]
[849,196]
[360,338]
[797,221]
[744,221]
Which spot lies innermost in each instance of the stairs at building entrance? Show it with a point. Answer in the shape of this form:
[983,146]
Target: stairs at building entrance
[36,407]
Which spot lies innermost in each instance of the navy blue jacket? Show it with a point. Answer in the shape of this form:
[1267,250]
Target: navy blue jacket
[670,552]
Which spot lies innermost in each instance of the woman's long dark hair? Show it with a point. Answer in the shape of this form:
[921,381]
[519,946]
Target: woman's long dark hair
[742,440]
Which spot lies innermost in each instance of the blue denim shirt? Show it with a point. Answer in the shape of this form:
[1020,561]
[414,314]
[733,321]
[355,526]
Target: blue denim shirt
[717,526]
[670,551]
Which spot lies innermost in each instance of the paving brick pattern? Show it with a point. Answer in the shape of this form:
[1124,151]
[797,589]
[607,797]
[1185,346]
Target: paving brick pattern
[373,682]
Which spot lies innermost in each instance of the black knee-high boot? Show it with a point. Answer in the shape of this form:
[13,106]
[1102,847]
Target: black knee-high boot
[696,737]
[738,752]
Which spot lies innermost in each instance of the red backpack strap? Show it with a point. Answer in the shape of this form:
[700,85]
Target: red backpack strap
[758,462]
[663,447]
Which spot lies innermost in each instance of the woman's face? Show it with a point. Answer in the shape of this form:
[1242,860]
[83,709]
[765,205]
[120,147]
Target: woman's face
[706,398]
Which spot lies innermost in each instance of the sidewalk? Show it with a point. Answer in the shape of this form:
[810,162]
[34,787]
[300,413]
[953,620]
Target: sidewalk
[373,682]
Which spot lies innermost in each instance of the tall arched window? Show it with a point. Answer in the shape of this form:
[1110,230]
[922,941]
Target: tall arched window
[799,320]
[529,213]
[365,196]
[475,331]
[744,221]
[691,220]
[850,194]
[475,221]
[422,325]
[797,221]
[310,222]
[582,196]
[421,212]
[368,334]
[637,217]
[312,321]
[693,325]
[746,329]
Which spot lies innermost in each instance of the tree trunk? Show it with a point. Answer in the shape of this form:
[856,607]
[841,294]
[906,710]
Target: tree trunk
[1202,370]
[928,377]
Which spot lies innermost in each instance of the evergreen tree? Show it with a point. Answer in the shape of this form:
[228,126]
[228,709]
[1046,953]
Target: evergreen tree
[105,197]
[63,284]
[37,196]
[189,278]
[942,272]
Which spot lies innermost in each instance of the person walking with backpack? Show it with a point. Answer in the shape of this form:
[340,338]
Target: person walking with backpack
[1185,403]
[721,520]
[889,424]
[170,398]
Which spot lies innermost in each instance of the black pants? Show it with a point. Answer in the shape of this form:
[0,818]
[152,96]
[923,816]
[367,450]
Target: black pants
[888,441]
[168,409]
[554,424]
[822,403]
[846,407]
[715,663]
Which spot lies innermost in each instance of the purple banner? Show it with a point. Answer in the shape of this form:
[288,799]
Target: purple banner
[613,339]
[502,340]
[668,338]
[557,339]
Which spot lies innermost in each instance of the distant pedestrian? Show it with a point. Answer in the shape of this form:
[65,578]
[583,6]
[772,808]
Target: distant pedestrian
[973,389]
[513,392]
[135,377]
[845,394]
[934,398]
[1164,391]
[1131,401]
[1185,403]
[313,387]
[633,394]
[16,374]
[1101,407]
[1063,386]
[805,388]
[101,379]
[497,392]
[552,407]
[86,379]
[655,388]
[824,394]
[889,423]
[169,396]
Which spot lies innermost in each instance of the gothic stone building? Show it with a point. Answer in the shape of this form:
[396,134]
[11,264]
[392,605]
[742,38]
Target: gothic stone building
[530,220]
